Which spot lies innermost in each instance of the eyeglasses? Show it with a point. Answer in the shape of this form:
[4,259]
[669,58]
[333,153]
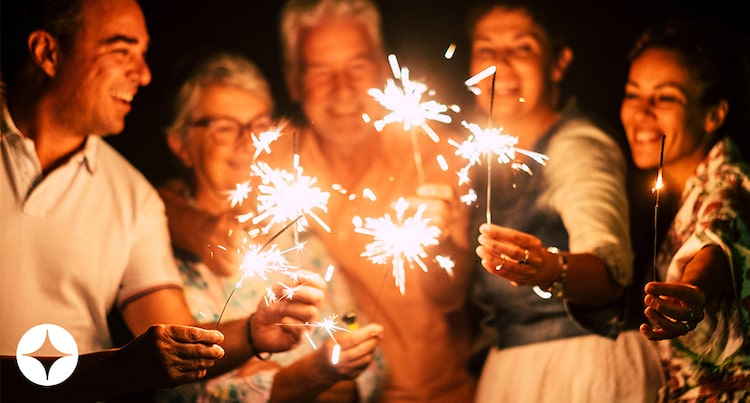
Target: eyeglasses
[228,131]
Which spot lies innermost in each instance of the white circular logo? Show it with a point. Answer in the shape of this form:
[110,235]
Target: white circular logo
[56,371]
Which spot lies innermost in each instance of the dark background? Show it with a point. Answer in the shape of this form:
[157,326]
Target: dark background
[417,31]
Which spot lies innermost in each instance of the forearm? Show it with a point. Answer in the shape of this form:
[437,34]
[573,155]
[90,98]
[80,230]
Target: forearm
[447,288]
[588,281]
[309,377]
[236,344]
[709,271]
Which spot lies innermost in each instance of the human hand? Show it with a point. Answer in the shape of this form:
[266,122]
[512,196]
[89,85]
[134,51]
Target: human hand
[439,200]
[170,355]
[672,309]
[278,326]
[516,256]
[357,351]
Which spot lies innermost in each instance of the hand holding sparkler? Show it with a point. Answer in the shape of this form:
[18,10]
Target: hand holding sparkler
[264,329]
[516,256]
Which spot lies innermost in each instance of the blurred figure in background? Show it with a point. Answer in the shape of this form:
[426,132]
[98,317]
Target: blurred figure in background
[333,54]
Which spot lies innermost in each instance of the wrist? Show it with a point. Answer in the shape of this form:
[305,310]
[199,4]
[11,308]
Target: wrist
[263,356]
[557,287]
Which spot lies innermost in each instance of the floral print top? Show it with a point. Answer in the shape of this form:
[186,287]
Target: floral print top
[207,293]
[712,362]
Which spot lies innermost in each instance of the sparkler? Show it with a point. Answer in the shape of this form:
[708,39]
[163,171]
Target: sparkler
[401,241]
[488,142]
[284,195]
[330,326]
[406,106]
[657,189]
[259,261]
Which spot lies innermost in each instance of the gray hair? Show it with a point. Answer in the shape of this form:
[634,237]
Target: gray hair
[298,15]
[220,69]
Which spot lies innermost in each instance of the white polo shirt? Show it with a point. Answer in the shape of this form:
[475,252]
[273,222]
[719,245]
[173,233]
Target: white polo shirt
[89,236]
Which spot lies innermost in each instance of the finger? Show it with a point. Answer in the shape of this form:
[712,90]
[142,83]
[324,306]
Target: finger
[688,293]
[510,235]
[667,306]
[662,324]
[194,334]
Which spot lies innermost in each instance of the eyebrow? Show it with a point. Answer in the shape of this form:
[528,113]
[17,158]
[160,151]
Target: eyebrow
[122,38]
[668,84]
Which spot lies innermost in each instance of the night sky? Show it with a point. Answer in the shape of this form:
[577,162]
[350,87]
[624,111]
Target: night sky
[417,31]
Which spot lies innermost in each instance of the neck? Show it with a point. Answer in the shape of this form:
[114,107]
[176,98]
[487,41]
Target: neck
[676,173]
[54,143]
[349,163]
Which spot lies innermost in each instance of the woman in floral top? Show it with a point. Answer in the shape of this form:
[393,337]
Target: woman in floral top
[220,110]
[688,82]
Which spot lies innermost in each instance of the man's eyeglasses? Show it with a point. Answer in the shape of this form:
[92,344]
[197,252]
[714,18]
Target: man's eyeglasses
[228,131]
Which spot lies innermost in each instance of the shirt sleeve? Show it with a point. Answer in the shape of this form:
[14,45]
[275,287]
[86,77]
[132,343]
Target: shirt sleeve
[586,170]
[151,265]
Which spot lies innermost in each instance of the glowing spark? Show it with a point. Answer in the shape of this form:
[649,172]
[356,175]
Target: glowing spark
[400,242]
[263,140]
[484,142]
[442,162]
[405,103]
[472,81]
[288,291]
[240,193]
[446,263]
[284,196]
[329,273]
[450,51]
[336,354]
[470,197]
[260,261]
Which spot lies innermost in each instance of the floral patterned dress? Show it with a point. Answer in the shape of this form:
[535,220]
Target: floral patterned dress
[712,362]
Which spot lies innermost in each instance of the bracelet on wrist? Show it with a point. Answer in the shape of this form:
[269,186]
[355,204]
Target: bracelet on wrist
[263,356]
[557,288]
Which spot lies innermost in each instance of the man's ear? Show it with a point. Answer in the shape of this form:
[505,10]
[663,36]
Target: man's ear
[293,83]
[45,51]
[561,65]
[715,116]
[179,147]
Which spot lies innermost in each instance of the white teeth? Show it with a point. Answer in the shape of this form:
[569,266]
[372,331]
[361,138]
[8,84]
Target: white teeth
[647,136]
[123,96]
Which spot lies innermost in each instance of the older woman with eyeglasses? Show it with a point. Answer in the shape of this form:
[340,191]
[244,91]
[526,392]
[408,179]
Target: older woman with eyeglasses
[223,105]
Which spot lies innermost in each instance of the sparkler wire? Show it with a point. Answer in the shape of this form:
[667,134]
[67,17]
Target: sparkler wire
[657,189]
[488,212]
[268,242]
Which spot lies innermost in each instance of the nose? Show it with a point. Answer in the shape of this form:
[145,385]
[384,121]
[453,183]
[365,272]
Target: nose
[143,72]
[343,87]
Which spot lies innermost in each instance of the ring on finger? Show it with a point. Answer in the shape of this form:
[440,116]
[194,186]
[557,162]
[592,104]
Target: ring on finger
[525,257]
[500,266]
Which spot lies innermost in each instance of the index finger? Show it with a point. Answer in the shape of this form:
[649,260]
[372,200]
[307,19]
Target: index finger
[194,334]
[687,293]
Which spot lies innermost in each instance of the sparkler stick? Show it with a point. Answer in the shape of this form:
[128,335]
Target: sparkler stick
[657,189]
[488,213]
[258,252]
